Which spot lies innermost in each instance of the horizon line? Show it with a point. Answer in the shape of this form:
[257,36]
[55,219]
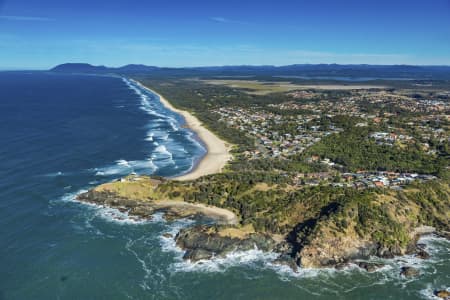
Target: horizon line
[219,66]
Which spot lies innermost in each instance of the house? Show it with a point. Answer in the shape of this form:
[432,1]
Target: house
[378,183]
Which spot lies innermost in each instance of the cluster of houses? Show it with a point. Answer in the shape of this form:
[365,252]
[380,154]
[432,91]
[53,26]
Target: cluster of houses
[404,102]
[351,105]
[440,132]
[282,135]
[303,94]
[360,180]
[345,106]
[435,106]
[276,135]
[389,138]
[432,111]
[364,179]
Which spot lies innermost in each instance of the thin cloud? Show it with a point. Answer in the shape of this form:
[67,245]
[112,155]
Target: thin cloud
[219,19]
[227,21]
[25,18]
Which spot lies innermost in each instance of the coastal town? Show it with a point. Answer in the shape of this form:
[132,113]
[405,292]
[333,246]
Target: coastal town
[293,172]
[276,135]
[289,128]
[225,150]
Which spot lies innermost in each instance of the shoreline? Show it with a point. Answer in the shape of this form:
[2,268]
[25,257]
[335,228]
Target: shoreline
[173,208]
[217,151]
[222,215]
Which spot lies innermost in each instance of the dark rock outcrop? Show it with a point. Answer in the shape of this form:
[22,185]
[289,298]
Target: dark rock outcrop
[389,252]
[422,254]
[205,241]
[341,265]
[316,242]
[444,294]
[370,267]
[444,234]
[286,260]
[409,272]
[197,254]
[133,207]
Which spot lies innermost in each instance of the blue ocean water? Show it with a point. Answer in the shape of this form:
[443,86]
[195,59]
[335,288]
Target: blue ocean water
[61,134]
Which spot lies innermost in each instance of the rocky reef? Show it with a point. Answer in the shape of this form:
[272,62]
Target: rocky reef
[443,294]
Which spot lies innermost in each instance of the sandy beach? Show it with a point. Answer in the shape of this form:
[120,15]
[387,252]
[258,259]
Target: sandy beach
[218,151]
[223,216]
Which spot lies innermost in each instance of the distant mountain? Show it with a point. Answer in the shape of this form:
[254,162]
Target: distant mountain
[87,68]
[137,68]
[80,68]
[307,70]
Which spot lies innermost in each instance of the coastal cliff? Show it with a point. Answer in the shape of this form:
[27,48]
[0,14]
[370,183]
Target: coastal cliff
[382,224]
[204,242]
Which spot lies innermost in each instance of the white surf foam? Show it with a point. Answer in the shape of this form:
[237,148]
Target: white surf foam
[157,131]
[160,135]
[216,264]
[124,167]
[114,215]
[129,246]
[190,137]
[158,217]
[433,245]
[221,264]
[161,152]
[265,260]
[122,162]
[149,137]
[71,197]
[146,105]
[168,243]
[173,124]
[390,271]
[104,212]
[428,292]
[55,174]
[154,113]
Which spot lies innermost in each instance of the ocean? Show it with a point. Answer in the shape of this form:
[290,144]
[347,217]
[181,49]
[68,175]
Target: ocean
[63,134]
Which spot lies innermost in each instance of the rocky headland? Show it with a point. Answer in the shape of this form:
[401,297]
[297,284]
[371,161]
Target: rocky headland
[332,238]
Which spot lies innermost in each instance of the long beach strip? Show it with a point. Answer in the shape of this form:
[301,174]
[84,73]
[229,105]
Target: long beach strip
[218,151]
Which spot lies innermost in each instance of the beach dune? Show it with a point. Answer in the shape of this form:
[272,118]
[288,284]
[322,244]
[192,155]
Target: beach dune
[218,151]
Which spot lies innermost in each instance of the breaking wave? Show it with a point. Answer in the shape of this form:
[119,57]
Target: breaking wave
[124,167]
[106,213]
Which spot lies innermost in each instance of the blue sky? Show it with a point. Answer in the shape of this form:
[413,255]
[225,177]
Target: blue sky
[37,34]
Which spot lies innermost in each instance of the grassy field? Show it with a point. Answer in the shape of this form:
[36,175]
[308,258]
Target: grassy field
[256,87]
[132,187]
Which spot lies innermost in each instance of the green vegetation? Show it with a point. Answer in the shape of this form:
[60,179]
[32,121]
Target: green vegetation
[354,150]
[267,203]
[255,87]
[200,99]
[262,193]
